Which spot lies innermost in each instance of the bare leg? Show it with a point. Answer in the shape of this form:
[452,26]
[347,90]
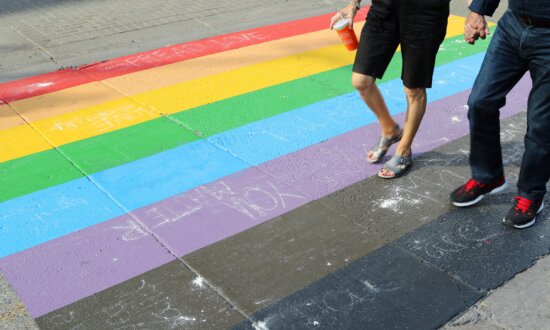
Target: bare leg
[416,107]
[370,93]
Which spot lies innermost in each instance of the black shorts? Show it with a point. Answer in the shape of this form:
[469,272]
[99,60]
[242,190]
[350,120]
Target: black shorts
[418,25]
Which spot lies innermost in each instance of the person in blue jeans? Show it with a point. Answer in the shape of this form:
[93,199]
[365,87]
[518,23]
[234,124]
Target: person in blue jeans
[521,43]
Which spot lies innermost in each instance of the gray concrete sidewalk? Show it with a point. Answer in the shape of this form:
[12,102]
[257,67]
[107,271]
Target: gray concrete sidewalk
[42,36]
[13,314]
[522,303]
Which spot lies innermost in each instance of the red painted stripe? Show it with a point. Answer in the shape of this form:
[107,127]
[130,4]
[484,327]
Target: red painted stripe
[65,78]
[41,84]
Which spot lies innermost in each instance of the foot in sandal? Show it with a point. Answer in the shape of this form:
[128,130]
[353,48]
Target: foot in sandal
[384,143]
[396,166]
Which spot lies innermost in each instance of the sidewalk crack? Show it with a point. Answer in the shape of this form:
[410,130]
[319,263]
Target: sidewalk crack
[143,226]
[42,49]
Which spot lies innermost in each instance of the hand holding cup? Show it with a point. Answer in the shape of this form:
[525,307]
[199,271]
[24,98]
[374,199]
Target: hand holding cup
[342,22]
[348,12]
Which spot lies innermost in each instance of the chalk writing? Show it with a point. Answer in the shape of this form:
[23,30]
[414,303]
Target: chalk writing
[176,53]
[467,236]
[61,319]
[256,202]
[344,300]
[132,231]
[144,307]
[103,120]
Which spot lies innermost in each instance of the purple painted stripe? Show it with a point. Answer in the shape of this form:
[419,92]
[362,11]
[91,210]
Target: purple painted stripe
[327,167]
[72,267]
[75,266]
[65,270]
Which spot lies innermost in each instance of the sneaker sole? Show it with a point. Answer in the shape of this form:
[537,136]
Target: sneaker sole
[529,224]
[477,200]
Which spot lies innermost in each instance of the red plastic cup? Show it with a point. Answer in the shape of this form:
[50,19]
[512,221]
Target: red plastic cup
[346,34]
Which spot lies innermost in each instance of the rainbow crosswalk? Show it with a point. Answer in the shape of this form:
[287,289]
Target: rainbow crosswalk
[112,170]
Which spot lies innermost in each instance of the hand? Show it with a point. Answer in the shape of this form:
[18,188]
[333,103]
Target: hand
[347,12]
[475,27]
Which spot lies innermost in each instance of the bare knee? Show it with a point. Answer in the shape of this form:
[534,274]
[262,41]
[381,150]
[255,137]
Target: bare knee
[414,94]
[361,82]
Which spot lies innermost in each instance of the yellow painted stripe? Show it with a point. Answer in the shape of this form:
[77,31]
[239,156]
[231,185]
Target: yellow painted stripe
[20,139]
[121,113]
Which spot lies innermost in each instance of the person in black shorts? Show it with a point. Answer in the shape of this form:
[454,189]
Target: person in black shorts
[419,26]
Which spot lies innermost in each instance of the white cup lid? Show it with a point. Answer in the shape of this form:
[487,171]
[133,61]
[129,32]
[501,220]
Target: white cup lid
[342,23]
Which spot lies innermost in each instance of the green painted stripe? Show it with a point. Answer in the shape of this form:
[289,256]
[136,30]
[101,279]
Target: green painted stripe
[233,112]
[49,168]
[27,174]
[126,145]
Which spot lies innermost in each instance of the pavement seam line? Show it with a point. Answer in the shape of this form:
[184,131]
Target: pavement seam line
[426,262]
[96,184]
[42,49]
[208,26]
[89,178]
[181,124]
[76,137]
[453,277]
[217,147]
[218,291]
[152,108]
[201,135]
[113,34]
[164,245]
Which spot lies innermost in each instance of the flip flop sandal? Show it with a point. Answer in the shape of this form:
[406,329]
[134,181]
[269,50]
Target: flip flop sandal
[384,143]
[398,165]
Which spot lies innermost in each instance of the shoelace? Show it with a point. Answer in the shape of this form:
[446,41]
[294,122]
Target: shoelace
[522,204]
[471,184]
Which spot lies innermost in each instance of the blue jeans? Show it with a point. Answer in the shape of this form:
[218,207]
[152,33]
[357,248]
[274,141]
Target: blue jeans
[514,49]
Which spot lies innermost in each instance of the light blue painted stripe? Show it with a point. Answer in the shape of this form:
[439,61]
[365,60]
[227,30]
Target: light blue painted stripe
[57,211]
[49,213]
[268,139]
[160,176]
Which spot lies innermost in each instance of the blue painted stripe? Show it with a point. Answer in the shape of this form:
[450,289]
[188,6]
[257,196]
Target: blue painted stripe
[57,211]
[160,176]
[49,213]
[268,139]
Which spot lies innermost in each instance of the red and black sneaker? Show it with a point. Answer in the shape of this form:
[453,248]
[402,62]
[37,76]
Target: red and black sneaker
[474,191]
[524,213]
